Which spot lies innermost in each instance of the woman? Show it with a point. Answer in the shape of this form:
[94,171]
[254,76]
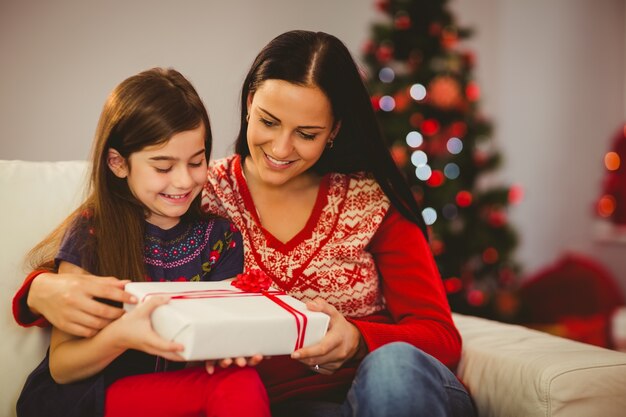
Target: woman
[326,214]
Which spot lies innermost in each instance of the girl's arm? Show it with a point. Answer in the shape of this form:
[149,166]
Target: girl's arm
[73,358]
[67,301]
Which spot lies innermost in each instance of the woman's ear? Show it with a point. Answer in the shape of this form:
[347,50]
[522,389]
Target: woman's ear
[249,103]
[335,131]
[117,163]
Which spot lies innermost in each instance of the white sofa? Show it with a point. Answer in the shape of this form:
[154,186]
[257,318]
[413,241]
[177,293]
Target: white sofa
[510,370]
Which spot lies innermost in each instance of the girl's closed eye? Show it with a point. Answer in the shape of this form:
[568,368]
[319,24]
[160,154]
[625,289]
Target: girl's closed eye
[196,164]
[163,170]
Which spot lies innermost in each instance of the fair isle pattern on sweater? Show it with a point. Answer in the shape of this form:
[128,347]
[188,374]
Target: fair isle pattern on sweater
[329,257]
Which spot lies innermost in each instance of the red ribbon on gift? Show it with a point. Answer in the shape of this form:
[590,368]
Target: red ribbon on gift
[300,317]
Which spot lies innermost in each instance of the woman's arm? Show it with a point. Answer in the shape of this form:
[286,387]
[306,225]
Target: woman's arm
[73,358]
[68,302]
[418,309]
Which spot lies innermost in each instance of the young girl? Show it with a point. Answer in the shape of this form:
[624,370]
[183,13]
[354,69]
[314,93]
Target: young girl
[142,221]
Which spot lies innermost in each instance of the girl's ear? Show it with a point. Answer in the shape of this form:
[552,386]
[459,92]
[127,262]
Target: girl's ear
[117,163]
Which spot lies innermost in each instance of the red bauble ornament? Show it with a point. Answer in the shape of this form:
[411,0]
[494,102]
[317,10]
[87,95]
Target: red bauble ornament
[472,91]
[464,198]
[430,127]
[444,92]
[384,53]
[436,178]
[402,21]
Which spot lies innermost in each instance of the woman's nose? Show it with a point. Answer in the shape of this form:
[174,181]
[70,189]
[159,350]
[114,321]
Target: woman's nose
[282,145]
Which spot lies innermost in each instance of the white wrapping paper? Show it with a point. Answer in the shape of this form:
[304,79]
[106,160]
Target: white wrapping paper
[229,322]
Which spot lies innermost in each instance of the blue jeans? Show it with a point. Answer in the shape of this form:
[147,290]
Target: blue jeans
[395,380]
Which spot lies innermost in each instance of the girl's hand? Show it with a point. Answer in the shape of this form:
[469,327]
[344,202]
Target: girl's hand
[67,301]
[134,331]
[225,363]
[340,344]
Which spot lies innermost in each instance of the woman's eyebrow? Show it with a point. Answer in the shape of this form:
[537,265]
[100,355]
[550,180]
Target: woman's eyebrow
[278,120]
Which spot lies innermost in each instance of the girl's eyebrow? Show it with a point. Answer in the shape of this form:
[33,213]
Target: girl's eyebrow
[278,120]
[171,158]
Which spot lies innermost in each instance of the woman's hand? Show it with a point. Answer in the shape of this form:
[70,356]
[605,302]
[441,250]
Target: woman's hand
[225,363]
[341,343]
[67,301]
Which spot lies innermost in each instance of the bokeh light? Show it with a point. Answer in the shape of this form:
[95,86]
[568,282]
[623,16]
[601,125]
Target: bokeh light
[612,161]
[419,158]
[414,139]
[386,75]
[423,172]
[451,171]
[417,92]
[387,103]
[430,215]
[454,145]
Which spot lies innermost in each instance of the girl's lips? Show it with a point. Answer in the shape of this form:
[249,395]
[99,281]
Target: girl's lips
[176,198]
[277,164]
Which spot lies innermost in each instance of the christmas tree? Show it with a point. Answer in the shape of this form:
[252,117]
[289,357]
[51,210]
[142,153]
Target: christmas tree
[427,102]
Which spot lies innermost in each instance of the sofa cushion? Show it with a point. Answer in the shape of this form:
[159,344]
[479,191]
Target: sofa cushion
[517,372]
[36,196]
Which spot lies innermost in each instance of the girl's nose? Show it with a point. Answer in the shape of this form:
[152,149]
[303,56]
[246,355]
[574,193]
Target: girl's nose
[182,178]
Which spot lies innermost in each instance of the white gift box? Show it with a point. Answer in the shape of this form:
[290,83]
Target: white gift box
[215,320]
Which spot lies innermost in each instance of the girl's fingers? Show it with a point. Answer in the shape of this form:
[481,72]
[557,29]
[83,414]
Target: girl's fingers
[209,366]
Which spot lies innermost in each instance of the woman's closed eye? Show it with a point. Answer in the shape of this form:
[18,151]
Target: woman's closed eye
[266,122]
[307,136]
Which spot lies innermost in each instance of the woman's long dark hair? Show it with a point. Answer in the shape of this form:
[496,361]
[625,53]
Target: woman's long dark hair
[144,110]
[319,59]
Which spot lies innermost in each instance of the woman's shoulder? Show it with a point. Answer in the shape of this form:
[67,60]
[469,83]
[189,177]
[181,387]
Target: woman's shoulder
[219,167]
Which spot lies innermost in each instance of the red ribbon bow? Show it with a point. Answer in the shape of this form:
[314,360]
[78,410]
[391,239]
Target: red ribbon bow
[252,280]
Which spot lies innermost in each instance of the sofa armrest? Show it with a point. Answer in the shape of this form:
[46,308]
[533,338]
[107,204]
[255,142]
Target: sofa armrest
[514,371]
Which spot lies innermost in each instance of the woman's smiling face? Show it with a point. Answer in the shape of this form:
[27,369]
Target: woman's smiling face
[288,128]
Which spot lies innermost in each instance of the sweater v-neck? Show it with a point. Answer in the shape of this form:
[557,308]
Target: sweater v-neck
[320,202]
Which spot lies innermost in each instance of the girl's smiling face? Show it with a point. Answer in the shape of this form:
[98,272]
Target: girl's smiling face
[165,178]
[288,128]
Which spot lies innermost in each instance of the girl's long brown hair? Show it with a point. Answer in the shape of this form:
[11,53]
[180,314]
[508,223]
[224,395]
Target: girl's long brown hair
[144,110]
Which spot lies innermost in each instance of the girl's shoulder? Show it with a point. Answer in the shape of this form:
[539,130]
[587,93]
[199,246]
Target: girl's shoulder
[221,225]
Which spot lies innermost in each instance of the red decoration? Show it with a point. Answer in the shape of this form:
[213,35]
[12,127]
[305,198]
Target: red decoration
[436,178]
[253,280]
[398,153]
[384,53]
[449,37]
[516,194]
[444,92]
[430,126]
[375,99]
[490,255]
[402,100]
[472,91]
[402,21]
[458,129]
[463,198]
[612,202]
[453,285]
[416,120]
